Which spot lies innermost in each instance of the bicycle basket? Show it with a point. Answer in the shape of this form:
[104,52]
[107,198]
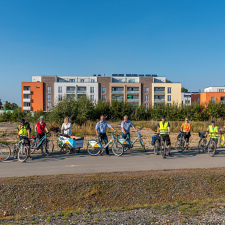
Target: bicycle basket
[202,134]
[124,141]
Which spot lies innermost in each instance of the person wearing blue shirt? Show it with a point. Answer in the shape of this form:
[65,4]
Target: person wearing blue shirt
[126,125]
[100,129]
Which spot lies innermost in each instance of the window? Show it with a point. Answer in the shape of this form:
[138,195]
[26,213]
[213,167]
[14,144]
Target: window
[82,80]
[198,99]
[59,97]
[104,90]
[213,99]
[92,97]
[103,97]
[26,88]
[70,89]
[146,105]
[169,98]
[49,90]
[146,90]
[221,90]
[72,80]
[169,91]
[48,98]
[91,89]
[131,81]
[26,104]
[59,89]
[92,80]
[146,98]
[49,105]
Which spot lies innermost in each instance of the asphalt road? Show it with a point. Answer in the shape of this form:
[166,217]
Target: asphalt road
[130,161]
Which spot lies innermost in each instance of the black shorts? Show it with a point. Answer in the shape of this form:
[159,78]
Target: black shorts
[215,140]
[40,135]
[166,139]
[187,136]
[26,141]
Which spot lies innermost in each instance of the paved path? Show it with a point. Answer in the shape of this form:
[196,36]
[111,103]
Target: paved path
[131,161]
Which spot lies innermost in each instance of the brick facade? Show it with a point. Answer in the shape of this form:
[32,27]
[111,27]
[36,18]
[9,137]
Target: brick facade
[146,82]
[104,82]
[48,82]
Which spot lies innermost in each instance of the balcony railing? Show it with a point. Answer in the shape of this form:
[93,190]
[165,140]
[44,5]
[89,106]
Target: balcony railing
[27,108]
[70,91]
[117,92]
[133,92]
[222,101]
[26,92]
[81,92]
[26,100]
[133,99]
[159,92]
[159,100]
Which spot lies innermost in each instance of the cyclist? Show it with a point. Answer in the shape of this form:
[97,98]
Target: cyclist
[213,132]
[23,131]
[125,125]
[100,129]
[164,130]
[186,128]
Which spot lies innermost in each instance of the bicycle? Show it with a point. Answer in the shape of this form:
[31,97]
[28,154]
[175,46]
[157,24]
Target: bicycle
[127,145]
[181,142]
[20,151]
[221,140]
[42,143]
[203,145]
[160,146]
[95,148]
[5,152]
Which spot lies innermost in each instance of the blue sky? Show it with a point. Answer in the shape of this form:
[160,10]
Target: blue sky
[183,40]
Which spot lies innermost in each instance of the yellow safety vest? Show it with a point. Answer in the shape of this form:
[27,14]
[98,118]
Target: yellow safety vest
[163,129]
[23,130]
[213,133]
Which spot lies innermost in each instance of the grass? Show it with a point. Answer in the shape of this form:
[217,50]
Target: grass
[189,191]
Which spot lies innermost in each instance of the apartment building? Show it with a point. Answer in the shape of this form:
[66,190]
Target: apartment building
[136,89]
[186,97]
[166,93]
[206,97]
[215,89]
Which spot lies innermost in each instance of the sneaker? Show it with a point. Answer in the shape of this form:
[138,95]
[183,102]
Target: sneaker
[169,154]
[29,158]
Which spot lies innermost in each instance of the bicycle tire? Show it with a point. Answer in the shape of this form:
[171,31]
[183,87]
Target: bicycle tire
[49,146]
[163,150]
[92,150]
[22,153]
[5,152]
[211,146]
[180,144]
[156,147]
[202,145]
[117,148]
[66,149]
[142,144]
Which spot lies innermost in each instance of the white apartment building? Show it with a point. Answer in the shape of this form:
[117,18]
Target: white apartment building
[186,97]
[215,89]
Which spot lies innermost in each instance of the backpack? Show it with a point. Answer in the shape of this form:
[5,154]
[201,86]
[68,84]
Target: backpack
[154,138]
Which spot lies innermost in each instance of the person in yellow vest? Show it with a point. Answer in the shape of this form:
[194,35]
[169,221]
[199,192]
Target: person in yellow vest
[164,130]
[23,131]
[213,132]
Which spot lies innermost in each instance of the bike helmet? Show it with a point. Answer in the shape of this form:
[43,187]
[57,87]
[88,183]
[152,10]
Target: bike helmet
[163,117]
[22,120]
[42,117]
[213,121]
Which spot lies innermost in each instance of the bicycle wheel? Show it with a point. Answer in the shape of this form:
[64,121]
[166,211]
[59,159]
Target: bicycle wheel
[202,145]
[92,150]
[117,148]
[157,147]
[33,143]
[49,146]
[163,149]
[212,148]
[180,145]
[5,152]
[22,153]
[66,149]
[142,144]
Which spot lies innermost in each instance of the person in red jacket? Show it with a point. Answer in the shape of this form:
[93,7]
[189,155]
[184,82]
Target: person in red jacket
[40,128]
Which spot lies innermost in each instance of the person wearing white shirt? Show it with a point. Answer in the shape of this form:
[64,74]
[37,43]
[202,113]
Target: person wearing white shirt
[66,127]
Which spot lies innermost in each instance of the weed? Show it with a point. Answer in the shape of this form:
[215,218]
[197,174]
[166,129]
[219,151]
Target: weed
[49,219]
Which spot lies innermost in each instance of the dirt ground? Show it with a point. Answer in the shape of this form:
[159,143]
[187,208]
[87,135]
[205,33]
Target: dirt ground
[8,134]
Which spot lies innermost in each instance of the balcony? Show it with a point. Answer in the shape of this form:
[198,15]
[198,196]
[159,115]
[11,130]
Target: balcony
[27,100]
[70,91]
[117,99]
[81,92]
[26,92]
[132,92]
[159,100]
[26,108]
[159,92]
[117,92]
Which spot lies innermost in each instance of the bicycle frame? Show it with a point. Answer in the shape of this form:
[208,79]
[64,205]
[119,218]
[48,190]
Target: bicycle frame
[111,140]
[137,138]
[40,142]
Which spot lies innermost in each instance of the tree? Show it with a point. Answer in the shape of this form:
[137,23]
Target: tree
[1,105]
[10,106]
[183,89]
[168,81]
